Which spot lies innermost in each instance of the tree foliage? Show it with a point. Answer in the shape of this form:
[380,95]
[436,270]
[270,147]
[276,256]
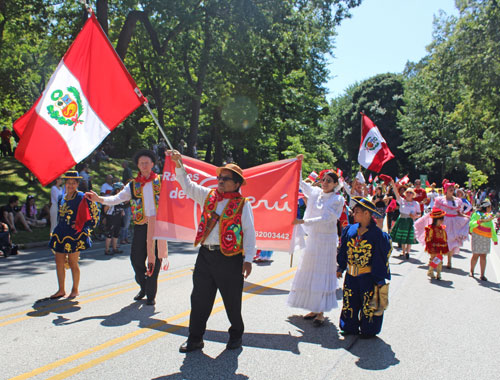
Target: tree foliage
[238,79]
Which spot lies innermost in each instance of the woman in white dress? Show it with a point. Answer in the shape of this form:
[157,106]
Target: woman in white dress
[315,283]
[55,193]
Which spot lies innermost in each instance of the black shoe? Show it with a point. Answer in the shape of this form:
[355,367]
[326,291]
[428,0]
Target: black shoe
[234,344]
[482,278]
[407,256]
[188,346]
[150,302]
[140,295]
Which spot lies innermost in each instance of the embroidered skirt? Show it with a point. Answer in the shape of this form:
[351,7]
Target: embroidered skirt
[480,244]
[403,231]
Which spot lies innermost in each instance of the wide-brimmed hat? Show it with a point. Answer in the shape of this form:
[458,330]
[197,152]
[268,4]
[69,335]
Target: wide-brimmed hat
[410,190]
[437,213]
[485,203]
[366,204]
[72,174]
[234,168]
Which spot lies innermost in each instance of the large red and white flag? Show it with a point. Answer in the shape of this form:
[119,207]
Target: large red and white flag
[373,150]
[88,95]
[272,190]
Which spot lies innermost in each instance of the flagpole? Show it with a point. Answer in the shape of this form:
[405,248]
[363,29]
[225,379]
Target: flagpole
[146,104]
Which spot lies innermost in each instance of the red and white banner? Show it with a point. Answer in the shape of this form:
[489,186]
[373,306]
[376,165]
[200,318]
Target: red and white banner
[88,95]
[272,190]
[373,150]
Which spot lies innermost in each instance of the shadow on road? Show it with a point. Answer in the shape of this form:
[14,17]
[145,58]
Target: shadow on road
[267,291]
[374,354]
[197,365]
[45,306]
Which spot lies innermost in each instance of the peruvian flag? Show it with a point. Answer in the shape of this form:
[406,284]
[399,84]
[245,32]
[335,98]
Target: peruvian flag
[404,180]
[370,178]
[438,259]
[339,173]
[88,95]
[373,150]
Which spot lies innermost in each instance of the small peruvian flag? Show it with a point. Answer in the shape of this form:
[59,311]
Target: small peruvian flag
[373,150]
[404,180]
[376,179]
[438,259]
[313,176]
[339,172]
[88,95]
[370,178]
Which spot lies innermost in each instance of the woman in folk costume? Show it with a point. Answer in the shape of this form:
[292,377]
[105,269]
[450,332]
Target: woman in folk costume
[483,231]
[315,283]
[409,210]
[436,242]
[457,224]
[77,218]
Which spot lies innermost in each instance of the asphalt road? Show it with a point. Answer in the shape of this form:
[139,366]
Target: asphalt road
[439,330]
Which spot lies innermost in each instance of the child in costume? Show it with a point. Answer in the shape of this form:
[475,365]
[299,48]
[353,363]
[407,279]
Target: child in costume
[483,231]
[409,210]
[436,242]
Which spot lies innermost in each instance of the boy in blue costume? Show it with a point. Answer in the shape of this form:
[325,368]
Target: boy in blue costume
[364,251]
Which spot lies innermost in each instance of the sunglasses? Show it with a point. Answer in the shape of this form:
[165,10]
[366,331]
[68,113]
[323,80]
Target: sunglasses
[224,179]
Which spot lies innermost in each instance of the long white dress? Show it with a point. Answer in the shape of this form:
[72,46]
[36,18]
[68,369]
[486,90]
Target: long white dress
[315,283]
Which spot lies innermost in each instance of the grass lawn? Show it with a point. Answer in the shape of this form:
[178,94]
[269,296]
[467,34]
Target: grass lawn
[15,179]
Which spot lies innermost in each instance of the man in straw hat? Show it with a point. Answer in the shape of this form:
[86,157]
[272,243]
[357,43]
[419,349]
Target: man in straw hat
[143,192]
[364,251]
[226,234]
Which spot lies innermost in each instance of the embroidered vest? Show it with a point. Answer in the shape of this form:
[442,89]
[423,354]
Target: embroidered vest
[230,230]
[137,201]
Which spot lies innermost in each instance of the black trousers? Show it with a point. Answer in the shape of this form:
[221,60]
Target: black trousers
[138,256]
[215,271]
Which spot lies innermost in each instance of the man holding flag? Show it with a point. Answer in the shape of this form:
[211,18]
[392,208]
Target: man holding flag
[226,234]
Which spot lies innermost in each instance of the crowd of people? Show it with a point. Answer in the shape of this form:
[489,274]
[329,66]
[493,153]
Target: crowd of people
[343,221]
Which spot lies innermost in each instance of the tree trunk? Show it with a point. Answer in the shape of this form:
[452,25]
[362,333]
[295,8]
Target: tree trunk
[219,152]
[196,98]
[102,14]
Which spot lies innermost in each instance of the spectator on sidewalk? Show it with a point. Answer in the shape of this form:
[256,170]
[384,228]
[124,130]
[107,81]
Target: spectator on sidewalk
[29,211]
[6,148]
[86,181]
[10,214]
[107,187]
[56,194]
[6,246]
[114,217]
[127,172]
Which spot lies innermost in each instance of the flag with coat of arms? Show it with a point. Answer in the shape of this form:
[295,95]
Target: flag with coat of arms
[373,150]
[89,94]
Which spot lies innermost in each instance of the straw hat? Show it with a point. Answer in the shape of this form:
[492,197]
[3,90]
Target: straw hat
[234,168]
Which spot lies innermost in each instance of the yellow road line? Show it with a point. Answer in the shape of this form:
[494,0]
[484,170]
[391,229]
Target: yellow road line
[142,342]
[68,305]
[143,330]
[87,296]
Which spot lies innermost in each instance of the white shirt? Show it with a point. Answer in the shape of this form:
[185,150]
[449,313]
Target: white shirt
[106,188]
[199,194]
[55,192]
[408,208]
[125,195]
